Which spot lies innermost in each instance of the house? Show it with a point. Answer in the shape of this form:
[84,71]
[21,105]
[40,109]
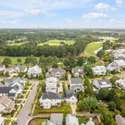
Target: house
[56,72]
[5,91]
[119,120]
[78,72]
[7,105]
[1,120]
[21,68]
[11,71]
[116,65]
[52,84]
[70,98]
[34,71]
[120,83]
[12,87]
[102,83]
[71,120]
[99,70]
[119,54]
[49,99]
[90,122]
[56,118]
[76,84]
[48,122]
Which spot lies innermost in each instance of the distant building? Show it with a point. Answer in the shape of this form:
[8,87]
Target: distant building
[34,71]
[90,122]
[102,83]
[7,105]
[78,72]
[121,83]
[119,54]
[76,84]
[50,99]
[116,65]
[99,70]
[71,120]
[56,72]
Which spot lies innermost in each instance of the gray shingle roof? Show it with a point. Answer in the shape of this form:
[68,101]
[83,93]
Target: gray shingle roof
[76,80]
[50,95]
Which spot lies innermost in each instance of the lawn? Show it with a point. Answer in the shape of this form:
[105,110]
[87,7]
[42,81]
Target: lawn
[64,108]
[14,59]
[92,48]
[17,44]
[37,122]
[57,42]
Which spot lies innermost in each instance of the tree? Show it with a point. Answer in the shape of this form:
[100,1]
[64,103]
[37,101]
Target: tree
[92,59]
[7,62]
[112,106]
[88,70]
[31,60]
[88,87]
[107,45]
[19,60]
[88,103]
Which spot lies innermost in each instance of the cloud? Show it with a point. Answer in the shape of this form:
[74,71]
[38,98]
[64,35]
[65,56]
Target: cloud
[102,6]
[95,15]
[119,3]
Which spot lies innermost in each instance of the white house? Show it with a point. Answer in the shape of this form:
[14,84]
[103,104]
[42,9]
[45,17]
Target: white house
[7,105]
[78,72]
[102,83]
[119,54]
[99,70]
[50,99]
[71,120]
[76,84]
[116,65]
[34,71]
[70,98]
[52,84]
[1,120]
[56,72]
[121,83]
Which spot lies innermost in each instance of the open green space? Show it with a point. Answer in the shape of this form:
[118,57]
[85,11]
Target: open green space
[91,49]
[56,42]
[37,122]
[17,44]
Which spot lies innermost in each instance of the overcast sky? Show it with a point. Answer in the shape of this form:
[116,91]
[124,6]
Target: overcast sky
[62,13]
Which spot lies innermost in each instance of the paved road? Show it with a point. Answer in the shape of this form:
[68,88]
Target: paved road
[24,114]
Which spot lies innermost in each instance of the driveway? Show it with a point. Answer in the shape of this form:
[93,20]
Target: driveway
[23,116]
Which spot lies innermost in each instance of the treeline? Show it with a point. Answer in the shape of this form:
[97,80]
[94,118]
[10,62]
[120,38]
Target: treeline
[60,51]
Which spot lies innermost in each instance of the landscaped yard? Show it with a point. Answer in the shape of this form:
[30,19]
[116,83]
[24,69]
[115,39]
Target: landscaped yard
[65,108]
[57,42]
[14,59]
[17,44]
[37,122]
[92,48]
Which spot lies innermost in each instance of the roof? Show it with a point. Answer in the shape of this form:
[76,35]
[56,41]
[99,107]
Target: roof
[77,69]
[50,95]
[5,89]
[55,70]
[57,118]
[119,120]
[69,94]
[76,80]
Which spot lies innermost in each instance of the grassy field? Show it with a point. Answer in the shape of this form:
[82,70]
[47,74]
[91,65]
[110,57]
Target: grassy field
[14,59]
[37,122]
[91,49]
[17,44]
[57,42]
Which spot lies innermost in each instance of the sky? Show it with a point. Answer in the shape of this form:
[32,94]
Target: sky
[62,14]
